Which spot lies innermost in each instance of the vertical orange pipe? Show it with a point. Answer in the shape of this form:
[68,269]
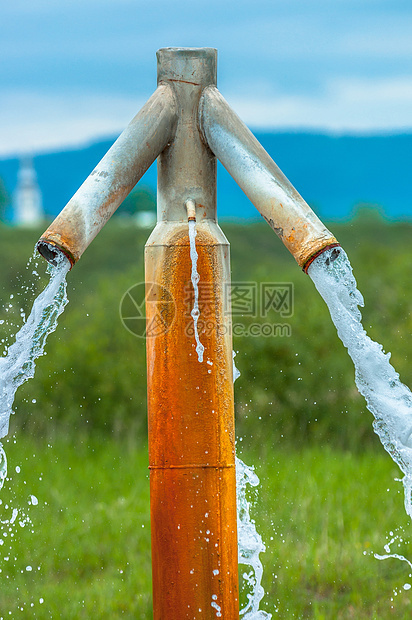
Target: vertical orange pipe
[191,436]
[190,404]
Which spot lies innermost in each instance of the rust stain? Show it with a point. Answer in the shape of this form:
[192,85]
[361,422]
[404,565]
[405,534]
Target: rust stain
[191,440]
[200,206]
[67,237]
[290,238]
[68,232]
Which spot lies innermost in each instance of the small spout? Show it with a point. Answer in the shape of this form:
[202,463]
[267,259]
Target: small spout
[52,252]
[190,205]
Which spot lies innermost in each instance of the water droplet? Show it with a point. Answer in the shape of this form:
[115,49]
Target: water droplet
[3,465]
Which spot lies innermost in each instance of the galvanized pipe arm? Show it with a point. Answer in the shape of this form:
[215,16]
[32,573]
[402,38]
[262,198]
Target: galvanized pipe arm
[262,181]
[146,136]
[184,118]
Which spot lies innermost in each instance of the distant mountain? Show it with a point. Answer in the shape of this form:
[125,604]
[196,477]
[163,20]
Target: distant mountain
[333,173]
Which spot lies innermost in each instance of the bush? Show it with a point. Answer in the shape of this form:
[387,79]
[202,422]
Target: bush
[296,389]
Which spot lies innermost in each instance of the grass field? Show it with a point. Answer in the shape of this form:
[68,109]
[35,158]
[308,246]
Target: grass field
[328,498]
[322,514]
[302,386]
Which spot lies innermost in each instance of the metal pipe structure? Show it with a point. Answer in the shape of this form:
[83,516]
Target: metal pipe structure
[259,177]
[113,178]
[190,404]
[186,124]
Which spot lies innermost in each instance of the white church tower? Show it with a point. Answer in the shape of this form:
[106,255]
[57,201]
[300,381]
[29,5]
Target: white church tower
[27,203]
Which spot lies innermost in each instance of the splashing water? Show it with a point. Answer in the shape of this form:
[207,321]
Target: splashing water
[389,400]
[19,364]
[250,543]
[3,466]
[195,281]
[389,554]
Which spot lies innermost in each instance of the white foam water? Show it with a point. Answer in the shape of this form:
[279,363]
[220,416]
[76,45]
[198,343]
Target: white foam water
[195,281]
[19,363]
[387,398]
[250,543]
[3,466]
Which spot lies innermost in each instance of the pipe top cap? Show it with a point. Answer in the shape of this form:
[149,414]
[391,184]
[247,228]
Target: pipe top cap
[195,65]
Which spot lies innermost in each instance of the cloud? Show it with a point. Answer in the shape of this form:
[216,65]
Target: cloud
[343,105]
[41,121]
[336,65]
[37,121]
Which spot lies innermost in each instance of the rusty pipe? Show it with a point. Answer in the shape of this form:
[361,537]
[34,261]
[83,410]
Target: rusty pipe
[191,428]
[114,177]
[262,181]
[190,404]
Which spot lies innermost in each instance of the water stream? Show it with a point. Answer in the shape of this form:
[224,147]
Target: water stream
[18,365]
[387,398]
[195,281]
[250,543]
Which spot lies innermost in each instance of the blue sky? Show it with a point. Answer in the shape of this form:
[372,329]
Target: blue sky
[76,70]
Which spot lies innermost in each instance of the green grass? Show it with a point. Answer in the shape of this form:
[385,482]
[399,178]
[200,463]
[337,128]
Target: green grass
[88,543]
[93,377]
[326,510]
[324,500]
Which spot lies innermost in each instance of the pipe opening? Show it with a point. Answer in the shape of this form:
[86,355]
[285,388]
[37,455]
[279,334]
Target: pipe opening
[52,253]
[190,205]
[333,256]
